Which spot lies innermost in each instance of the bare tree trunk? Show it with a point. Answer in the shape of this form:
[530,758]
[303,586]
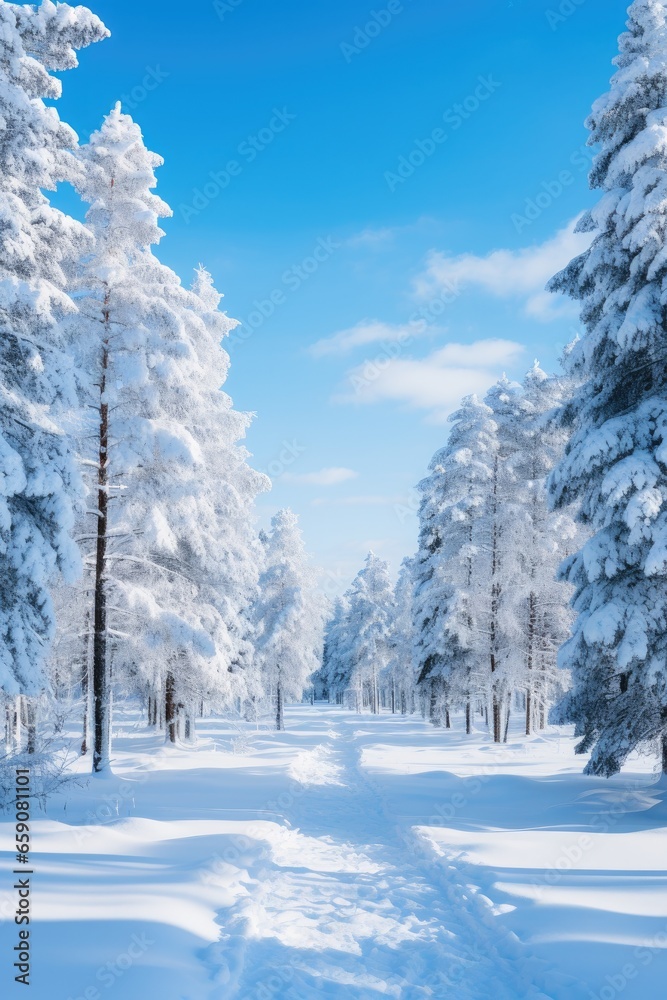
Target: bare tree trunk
[468,718]
[9,734]
[31,725]
[101,685]
[497,723]
[530,662]
[18,736]
[507,719]
[495,601]
[85,690]
[433,705]
[170,711]
[280,709]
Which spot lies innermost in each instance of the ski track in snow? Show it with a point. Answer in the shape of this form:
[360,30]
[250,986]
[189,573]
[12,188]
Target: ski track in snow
[353,906]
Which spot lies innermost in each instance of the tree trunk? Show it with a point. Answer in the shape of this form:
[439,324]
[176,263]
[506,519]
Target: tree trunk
[9,736]
[497,724]
[85,697]
[495,602]
[433,705]
[507,720]
[393,698]
[101,686]
[468,718]
[532,616]
[170,713]
[280,709]
[18,735]
[664,754]
[31,725]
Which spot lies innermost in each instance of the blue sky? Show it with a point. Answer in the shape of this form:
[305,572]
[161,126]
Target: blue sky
[380,192]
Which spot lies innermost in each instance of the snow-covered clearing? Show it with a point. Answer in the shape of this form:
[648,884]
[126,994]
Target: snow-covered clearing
[350,857]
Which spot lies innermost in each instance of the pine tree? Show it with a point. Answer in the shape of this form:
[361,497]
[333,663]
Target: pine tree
[172,486]
[400,671]
[541,602]
[288,616]
[451,570]
[39,478]
[615,467]
[505,523]
[334,672]
[370,614]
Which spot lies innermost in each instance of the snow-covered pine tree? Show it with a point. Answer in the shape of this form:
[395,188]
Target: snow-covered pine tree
[171,484]
[369,618]
[37,246]
[334,673]
[504,523]
[401,671]
[452,567]
[541,600]
[223,541]
[288,616]
[615,467]
[432,595]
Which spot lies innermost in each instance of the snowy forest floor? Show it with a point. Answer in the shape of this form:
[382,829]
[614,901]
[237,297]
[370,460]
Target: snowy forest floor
[350,857]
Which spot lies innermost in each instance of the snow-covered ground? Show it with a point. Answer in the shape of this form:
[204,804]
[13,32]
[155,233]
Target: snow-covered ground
[350,857]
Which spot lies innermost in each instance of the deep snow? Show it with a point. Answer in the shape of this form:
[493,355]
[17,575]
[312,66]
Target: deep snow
[351,857]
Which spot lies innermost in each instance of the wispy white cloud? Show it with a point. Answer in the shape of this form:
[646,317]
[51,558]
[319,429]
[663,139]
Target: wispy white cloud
[435,383]
[325,477]
[385,236]
[372,238]
[368,331]
[521,274]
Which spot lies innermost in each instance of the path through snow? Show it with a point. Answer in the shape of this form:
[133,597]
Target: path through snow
[350,906]
[350,858]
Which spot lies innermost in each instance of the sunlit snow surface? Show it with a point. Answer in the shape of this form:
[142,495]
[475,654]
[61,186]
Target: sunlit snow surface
[350,857]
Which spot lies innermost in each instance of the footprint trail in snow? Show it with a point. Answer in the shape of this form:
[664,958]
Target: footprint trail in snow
[350,906]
